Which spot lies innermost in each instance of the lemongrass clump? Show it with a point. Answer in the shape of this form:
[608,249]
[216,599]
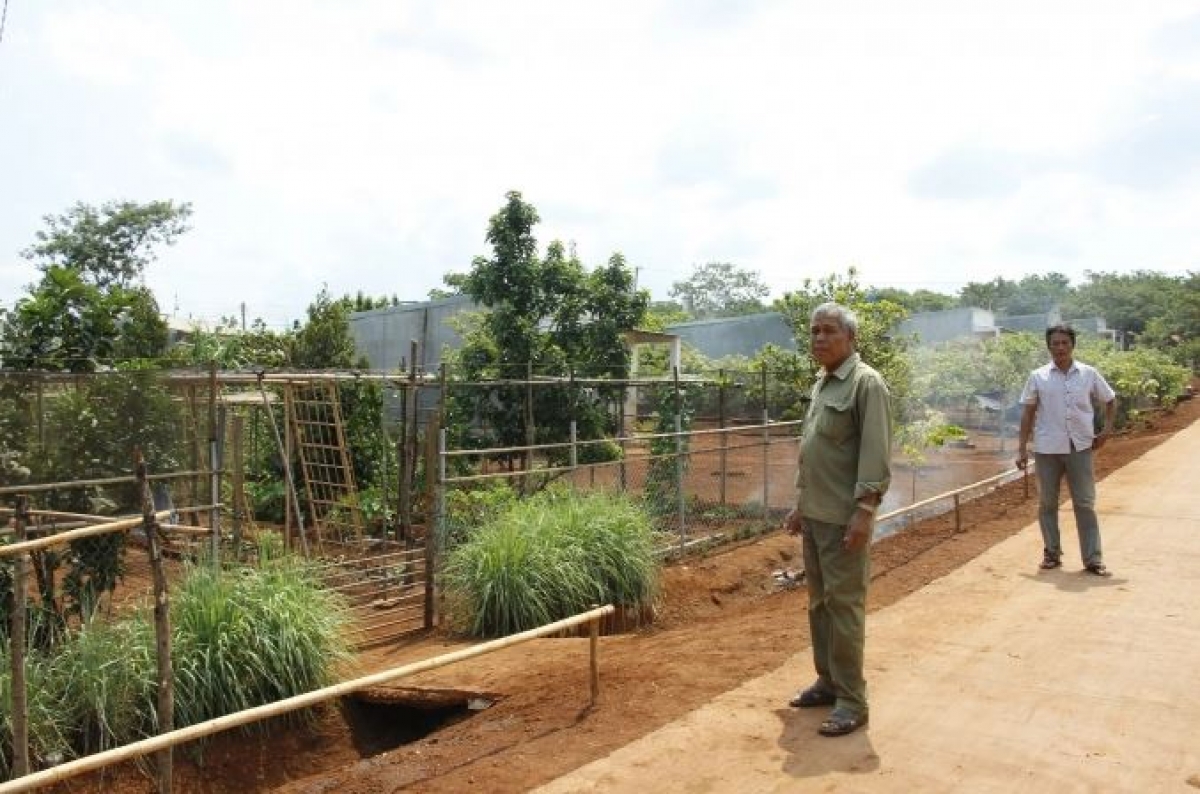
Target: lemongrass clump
[549,557]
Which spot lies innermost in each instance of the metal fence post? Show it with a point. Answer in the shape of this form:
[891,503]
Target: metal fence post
[682,496]
[766,436]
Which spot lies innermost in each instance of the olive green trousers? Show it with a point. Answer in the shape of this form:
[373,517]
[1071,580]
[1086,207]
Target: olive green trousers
[837,611]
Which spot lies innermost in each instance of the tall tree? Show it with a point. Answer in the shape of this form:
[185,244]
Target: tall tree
[721,289]
[90,305]
[546,313]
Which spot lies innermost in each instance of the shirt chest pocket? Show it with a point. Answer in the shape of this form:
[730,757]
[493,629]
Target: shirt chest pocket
[836,421]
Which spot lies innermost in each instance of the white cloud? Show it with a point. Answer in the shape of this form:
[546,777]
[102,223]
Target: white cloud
[365,145]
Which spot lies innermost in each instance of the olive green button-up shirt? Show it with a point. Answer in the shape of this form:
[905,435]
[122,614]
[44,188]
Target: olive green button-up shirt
[845,442]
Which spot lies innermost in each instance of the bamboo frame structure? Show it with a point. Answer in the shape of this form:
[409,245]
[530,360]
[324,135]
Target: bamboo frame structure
[209,727]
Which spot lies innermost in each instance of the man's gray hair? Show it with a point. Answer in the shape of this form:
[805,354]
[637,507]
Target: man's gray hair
[845,317]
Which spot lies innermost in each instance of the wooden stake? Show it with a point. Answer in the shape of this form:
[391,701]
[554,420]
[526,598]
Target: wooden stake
[163,760]
[20,702]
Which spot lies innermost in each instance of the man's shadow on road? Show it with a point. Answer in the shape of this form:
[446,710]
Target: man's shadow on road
[808,754]
[1074,581]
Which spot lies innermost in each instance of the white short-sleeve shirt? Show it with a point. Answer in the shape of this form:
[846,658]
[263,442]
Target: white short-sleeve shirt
[1065,414]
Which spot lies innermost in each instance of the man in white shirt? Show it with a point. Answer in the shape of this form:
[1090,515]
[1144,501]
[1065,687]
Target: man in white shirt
[1058,400]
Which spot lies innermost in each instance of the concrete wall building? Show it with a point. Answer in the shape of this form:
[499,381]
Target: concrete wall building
[736,336]
[385,336]
[934,328]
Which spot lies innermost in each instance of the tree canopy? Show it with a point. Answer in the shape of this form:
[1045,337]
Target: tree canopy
[721,289]
[90,307]
[548,314]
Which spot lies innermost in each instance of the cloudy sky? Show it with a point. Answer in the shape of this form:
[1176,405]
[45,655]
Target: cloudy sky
[364,145]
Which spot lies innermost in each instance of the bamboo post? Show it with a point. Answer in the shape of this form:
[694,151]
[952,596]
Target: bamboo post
[195,445]
[163,759]
[957,513]
[239,484]
[530,433]
[41,419]
[574,453]
[594,659]
[214,466]
[285,451]
[20,701]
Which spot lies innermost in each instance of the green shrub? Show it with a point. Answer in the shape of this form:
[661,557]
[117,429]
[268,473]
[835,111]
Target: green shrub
[248,636]
[49,723]
[105,674]
[549,557]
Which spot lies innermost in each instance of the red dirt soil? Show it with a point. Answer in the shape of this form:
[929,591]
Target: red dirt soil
[723,621]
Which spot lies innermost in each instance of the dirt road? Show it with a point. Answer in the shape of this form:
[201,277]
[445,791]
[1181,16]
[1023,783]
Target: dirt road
[996,677]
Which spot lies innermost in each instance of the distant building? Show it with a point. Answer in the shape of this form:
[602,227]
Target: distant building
[934,328]
[182,329]
[744,335]
[385,336]
[1031,323]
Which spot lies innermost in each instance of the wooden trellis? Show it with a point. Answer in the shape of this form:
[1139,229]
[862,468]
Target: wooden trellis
[315,419]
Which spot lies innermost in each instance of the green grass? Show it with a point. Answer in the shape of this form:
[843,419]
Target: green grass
[249,636]
[550,557]
[49,725]
[241,637]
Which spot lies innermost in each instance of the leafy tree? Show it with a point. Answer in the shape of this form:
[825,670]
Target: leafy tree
[88,306]
[1038,293]
[1128,301]
[721,289]
[109,246]
[547,314]
[876,319]
[993,295]
[921,300]
[324,341]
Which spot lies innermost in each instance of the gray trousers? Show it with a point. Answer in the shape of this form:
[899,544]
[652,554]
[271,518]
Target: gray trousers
[837,611]
[1077,466]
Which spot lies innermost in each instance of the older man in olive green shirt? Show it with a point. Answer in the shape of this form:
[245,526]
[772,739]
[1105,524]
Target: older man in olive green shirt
[844,471]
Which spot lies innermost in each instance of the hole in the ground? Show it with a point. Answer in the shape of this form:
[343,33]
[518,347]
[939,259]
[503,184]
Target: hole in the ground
[384,717]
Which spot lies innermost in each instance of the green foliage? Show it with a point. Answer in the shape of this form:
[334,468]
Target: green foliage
[546,315]
[721,289]
[1033,294]
[470,508]
[240,638]
[932,430]
[231,348]
[248,636]
[96,427]
[921,300]
[88,307]
[876,319]
[49,720]
[105,679]
[325,341]
[669,460]
[1142,378]
[549,557]
[1128,301]
[267,499]
[111,245]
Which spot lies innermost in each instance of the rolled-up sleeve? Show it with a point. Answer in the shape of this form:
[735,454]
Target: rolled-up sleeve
[874,455]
